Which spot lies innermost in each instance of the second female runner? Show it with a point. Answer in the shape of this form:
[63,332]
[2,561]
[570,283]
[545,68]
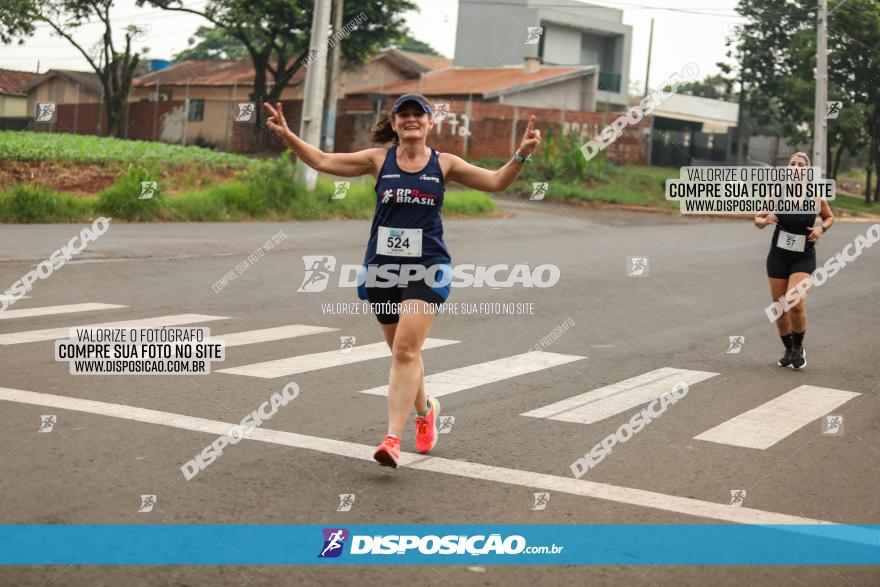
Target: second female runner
[791,260]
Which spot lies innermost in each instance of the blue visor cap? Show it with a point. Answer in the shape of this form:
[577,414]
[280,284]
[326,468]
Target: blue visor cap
[411,98]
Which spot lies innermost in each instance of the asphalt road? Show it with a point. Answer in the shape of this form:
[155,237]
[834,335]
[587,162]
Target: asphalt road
[705,283]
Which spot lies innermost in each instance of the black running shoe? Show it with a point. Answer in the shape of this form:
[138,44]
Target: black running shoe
[785,361]
[799,357]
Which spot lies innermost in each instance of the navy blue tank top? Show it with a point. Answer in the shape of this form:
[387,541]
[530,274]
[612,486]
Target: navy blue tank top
[409,200]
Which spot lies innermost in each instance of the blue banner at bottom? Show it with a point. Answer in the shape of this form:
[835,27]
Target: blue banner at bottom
[455,544]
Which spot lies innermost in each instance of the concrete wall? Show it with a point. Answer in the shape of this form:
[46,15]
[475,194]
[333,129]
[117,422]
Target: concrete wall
[575,94]
[562,45]
[488,36]
[57,89]
[483,40]
[13,106]
[376,72]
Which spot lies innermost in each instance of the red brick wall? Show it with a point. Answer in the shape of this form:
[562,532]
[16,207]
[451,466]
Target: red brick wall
[145,118]
[85,115]
[490,128]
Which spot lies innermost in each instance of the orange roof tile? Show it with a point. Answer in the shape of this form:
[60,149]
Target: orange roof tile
[12,81]
[486,82]
[208,73]
[429,61]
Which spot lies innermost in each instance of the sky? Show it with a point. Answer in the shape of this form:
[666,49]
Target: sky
[684,31]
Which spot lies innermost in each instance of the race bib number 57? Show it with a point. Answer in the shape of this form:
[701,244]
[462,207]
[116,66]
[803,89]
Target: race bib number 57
[399,242]
[791,242]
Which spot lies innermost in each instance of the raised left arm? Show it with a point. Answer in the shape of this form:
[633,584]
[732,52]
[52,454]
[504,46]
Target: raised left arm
[499,180]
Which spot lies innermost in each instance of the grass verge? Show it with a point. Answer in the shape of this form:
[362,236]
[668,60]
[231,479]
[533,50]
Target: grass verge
[267,190]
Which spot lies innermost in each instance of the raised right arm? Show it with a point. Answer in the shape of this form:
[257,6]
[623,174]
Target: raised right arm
[341,164]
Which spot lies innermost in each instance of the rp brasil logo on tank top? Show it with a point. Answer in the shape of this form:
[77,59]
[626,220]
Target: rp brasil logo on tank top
[408,196]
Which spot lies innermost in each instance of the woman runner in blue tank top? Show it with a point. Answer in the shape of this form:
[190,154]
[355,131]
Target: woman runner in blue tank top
[405,249]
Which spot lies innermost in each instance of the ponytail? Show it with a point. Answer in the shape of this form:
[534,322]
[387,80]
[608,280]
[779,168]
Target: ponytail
[383,133]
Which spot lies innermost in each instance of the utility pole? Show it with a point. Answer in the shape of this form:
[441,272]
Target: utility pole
[650,47]
[335,86]
[647,80]
[316,79]
[820,128]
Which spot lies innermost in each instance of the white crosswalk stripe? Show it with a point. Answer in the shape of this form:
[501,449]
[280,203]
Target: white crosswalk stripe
[315,361]
[64,331]
[53,310]
[771,422]
[459,468]
[447,382]
[619,397]
[269,334]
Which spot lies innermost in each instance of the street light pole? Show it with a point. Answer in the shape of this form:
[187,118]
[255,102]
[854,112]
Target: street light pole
[819,122]
[316,80]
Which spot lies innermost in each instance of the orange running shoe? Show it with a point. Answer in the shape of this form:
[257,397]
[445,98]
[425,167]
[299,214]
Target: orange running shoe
[426,428]
[388,452]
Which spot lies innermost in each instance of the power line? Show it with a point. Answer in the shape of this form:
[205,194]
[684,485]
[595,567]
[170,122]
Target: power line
[612,5]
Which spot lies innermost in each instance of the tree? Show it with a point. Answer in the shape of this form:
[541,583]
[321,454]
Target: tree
[778,59]
[19,18]
[276,34]
[716,87]
[210,43]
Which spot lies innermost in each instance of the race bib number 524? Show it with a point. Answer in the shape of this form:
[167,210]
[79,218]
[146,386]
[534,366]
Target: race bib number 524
[399,242]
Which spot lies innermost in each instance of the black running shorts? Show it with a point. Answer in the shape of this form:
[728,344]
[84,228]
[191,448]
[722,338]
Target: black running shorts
[386,299]
[781,264]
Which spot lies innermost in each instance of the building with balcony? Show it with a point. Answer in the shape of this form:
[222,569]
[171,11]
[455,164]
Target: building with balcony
[573,34]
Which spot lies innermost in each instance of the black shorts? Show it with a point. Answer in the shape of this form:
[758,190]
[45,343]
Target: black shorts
[389,297]
[781,264]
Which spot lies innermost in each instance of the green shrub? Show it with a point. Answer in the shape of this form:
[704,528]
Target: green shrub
[43,146]
[468,202]
[123,199]
[268,190]
[560,158]
[35,204]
